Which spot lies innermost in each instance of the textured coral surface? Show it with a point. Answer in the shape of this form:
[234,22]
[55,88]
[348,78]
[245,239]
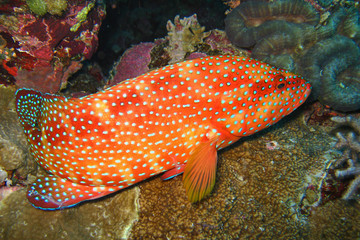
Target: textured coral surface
[14,155]
[134,62]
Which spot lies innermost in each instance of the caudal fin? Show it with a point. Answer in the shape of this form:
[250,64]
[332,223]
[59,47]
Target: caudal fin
[28,107]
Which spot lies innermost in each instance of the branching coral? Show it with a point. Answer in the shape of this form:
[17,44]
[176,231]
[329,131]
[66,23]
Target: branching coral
[350,143]
[290,35]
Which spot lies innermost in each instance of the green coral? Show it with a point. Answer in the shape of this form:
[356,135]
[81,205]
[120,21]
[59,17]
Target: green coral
[41,7]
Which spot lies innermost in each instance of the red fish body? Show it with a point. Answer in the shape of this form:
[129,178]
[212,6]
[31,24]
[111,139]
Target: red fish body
[171,119]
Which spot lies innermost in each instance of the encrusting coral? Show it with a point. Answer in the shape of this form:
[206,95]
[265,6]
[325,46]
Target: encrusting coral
[292,35]
[350,144]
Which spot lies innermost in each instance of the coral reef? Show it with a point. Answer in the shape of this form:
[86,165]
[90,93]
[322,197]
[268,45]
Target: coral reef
[149,55]
[321,44]
[260,181]
[350,144]
[131,22]
[220,44]
[45,51]
[331,66]
[252,21]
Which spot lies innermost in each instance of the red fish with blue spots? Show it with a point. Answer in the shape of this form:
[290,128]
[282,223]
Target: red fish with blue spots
[173,120]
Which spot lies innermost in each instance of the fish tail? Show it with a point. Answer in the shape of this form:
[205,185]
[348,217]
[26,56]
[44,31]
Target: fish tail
[28,107]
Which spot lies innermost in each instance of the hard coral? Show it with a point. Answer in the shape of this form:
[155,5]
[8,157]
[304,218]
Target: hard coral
[275,30]
[350,143]
[331,66]
[257,193]
[289,34]
[253,20]
[46,50]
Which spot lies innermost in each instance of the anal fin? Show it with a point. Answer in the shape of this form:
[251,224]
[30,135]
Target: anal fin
[177,170]
[52,193]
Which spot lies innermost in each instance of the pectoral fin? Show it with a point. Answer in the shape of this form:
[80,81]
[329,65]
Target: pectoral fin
[200,171]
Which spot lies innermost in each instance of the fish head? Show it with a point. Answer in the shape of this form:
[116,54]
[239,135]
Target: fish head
[277,96]
[262,99]
[286,92]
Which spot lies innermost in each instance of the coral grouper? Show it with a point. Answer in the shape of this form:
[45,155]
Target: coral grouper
[173,120]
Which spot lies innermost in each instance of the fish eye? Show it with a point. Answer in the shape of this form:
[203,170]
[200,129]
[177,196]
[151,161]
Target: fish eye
[281,85]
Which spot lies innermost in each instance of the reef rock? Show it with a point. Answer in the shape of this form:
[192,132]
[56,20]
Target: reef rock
[14,155]
[43,51]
